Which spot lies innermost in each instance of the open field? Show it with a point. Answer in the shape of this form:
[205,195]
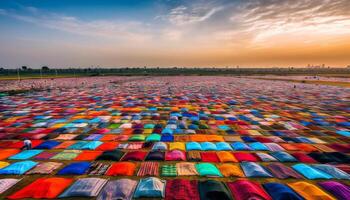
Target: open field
[223,128]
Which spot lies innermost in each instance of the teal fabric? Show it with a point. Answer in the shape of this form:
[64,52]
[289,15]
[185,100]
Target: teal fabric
[150,187]
[27,154]
[208,169]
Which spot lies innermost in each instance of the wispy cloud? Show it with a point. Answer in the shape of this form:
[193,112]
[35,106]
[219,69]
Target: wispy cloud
[184,15]
[118,30]
[309,19]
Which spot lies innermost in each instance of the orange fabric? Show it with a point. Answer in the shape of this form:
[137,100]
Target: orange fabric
[228,170]
[127,131]
[64,145]
[290,147]
[198,138]
[5,153]
[43,188]
[106,146]
[88,155]
[309,191]
[215,138]
[225,156]
[305,147]
[121,169]
[108,137]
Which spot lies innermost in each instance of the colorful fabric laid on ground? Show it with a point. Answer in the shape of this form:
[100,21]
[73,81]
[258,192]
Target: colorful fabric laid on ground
[85,187]
[7,183]
[118,189]
[43,188]
[176,138]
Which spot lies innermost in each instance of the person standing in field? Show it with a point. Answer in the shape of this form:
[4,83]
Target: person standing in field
[27,144]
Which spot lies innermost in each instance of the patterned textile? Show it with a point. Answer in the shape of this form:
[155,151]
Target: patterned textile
[169,170]
[148,169]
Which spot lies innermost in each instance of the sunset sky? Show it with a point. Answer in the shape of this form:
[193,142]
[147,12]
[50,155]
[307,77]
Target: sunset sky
[167,33]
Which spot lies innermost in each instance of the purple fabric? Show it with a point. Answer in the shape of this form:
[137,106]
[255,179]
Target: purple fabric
[339,190]
[119,189]
[45,155]
[282,171]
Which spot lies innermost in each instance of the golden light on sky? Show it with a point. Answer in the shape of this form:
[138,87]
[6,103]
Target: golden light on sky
[250,33]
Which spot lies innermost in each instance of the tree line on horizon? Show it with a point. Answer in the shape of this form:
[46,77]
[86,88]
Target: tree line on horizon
[94,71]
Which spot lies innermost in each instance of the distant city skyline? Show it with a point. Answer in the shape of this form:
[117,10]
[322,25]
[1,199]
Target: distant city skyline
[169,33]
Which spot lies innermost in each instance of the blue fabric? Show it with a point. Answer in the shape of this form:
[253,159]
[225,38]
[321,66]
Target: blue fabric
[280,191]
[49,144]
[310,172]
[223,146]
[248,139]
[92,145]
[190,146]
[78,145]
[333,171]
[167,131]
[18,167]
[150,187]
[224,127]
[240,146]
[208,146]
[344,133]
[26,154]
[78,168]
[167,138]
[252,169]
[258,146]
[159,146]
[283,156]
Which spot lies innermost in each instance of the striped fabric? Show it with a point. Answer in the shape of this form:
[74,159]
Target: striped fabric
[169,170]
[148,169]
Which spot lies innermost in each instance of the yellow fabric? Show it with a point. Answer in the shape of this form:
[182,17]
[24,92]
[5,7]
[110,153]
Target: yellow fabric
[177,145]
[3,164]
[309,191]
[225,156]
[147,131]
[228,170]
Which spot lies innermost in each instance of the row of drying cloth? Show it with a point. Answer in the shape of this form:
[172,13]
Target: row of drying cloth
[153,187]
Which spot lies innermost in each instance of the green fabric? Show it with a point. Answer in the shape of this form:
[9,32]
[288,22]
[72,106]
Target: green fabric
[153,138]
[70,155]
[114,126]
[138,137]
[208,169]
[169,170]
[148,126]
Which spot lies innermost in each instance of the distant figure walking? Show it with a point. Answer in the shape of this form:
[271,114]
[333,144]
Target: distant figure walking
[27,144]
[295,86]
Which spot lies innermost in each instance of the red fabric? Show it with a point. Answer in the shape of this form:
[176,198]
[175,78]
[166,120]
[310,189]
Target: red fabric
[209,157]
[181,189]
[241,156]
[107,146]
[5,144]
[43,188]
[5,153]
[121,169]
[134,155]
[263,139]
[303,158]
[340,147]
[244,189]
[88,155]
[19,144]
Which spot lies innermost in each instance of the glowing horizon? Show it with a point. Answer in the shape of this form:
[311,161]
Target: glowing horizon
[218,33]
